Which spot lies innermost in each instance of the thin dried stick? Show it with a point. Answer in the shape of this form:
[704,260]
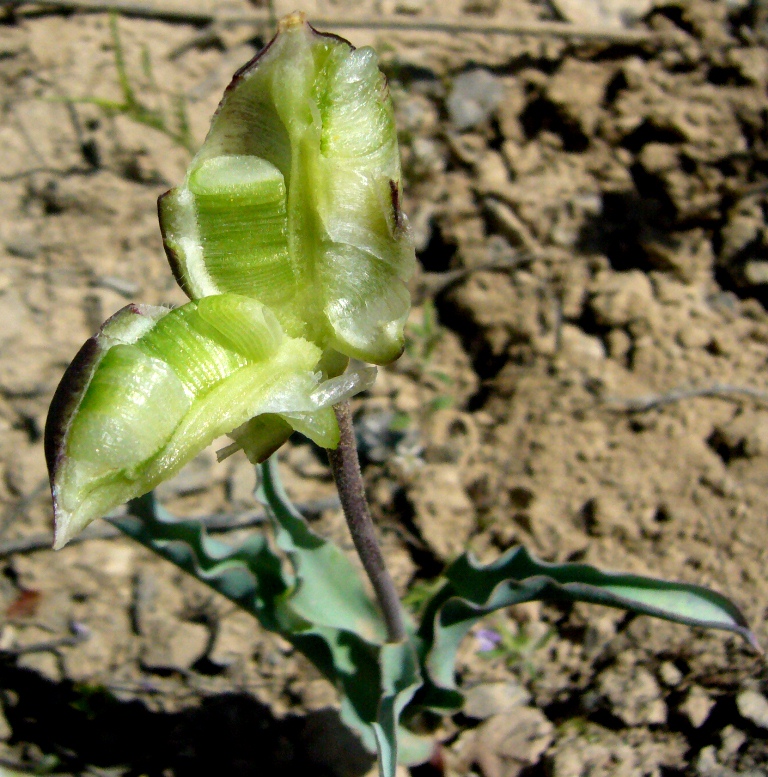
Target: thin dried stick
[418,24]
[213,523]
[652,401]
[77,636]
[433,283]
[345,466]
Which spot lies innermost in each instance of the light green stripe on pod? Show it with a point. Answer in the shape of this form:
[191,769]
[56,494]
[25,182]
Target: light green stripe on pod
[331,252]
[242,223]
[242,325]
[357,117]
[181,339]
[118,425]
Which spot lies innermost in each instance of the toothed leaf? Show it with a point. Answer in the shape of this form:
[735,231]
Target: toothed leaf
[472,591]
[316,601]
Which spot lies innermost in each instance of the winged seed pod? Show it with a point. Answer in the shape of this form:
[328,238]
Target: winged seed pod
[156,386]
[294,198]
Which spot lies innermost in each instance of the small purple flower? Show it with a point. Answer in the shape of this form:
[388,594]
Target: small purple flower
[487,639]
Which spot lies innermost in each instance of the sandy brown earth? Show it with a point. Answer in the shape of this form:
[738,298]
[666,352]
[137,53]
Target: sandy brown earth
[591,225]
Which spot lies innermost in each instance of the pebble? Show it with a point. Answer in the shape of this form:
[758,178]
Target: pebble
[670,675]
[619,344]
[417,114]
[752,63]
[756,273]
[743,227]
[488,699]
[658,158]
[745,435]
[633,695]
[173,646]
[697,706]
[45,664]
[707,765]
[428,159]
[731,739]
[621,298]
[602,13]
[753,706]
[508,744]
[582,106]
[688,256]
[693,336]
[581,346]
[474,97]
[5,728]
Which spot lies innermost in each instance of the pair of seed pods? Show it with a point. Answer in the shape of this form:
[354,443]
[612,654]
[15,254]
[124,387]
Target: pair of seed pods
[288,237]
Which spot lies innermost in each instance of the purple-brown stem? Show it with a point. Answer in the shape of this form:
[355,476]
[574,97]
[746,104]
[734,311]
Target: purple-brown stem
[345,466]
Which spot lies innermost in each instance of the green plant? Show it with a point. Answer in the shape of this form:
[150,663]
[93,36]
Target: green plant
[288,237]
[421,341]
[172,121]
[515,644]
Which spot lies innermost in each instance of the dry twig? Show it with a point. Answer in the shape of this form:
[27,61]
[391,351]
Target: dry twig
[213,523]
[79,634]
[258,17]
[652,401]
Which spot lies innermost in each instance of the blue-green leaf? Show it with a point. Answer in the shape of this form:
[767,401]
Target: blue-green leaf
[316,601]
[328,590]
[307,590]
[472,591]
[400,679]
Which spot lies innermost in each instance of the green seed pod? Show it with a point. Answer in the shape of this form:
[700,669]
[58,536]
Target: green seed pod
[156,386]
[294,198]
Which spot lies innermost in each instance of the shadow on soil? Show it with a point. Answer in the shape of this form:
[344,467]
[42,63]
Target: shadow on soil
[230,734]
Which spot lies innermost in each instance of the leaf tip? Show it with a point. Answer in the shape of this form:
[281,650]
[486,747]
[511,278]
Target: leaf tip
[751,638]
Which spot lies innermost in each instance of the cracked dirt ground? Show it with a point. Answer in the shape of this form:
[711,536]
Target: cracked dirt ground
[591,228]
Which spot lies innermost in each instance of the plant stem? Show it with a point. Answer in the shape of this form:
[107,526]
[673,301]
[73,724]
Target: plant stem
[345,466]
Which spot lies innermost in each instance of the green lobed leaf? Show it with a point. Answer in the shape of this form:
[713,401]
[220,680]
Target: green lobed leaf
[328,590]
[472,591]
[400,679]
[376,679]
[316,601]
